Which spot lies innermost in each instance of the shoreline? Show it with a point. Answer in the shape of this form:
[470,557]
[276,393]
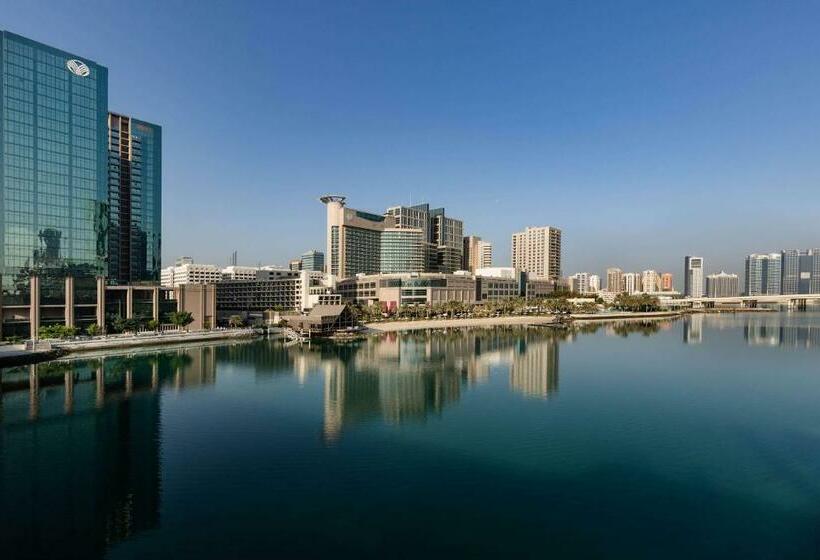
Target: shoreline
[535,321]
[63,348]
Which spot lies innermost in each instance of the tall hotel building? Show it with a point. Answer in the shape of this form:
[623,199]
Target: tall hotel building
[353,238]
[134,199]
[53,168]
[693,276]
[444,235]
[76,204]
[404,239]
[537,251]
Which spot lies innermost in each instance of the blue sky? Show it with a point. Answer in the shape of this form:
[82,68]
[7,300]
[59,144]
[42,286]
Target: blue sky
[645,130]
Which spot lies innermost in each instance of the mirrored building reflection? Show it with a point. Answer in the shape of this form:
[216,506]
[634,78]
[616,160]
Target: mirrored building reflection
[693,329]
[80,457]
[410,377]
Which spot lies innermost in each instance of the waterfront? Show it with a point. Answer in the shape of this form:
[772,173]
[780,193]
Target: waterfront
[695,437]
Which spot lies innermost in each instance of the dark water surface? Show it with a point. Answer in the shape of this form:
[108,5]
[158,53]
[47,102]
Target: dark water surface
[693,438]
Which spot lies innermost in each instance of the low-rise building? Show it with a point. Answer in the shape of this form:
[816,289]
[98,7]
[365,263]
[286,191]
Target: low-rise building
[394,290]
[235,272]
[287,291]
[185,271]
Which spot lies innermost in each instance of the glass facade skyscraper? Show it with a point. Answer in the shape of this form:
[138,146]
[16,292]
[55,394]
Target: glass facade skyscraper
[134,200]
[53,124]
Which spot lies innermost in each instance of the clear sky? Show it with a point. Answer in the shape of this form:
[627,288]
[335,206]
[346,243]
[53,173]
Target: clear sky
[645,130]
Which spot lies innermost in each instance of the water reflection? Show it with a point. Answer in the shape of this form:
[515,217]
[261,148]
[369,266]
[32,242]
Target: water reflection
[408,377]
[81,441]
[80,450]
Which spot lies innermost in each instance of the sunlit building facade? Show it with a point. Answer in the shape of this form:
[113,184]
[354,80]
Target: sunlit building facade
[53,125]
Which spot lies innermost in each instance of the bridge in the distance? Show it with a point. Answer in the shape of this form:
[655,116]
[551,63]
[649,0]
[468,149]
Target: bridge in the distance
[795,301]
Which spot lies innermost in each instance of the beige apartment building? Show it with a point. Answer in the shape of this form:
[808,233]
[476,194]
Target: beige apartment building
[537,251]
[477,253]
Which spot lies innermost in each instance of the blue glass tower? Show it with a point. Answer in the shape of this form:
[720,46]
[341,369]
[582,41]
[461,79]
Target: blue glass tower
[53,168]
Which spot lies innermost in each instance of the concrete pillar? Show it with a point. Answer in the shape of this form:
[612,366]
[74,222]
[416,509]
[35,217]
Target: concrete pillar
[69,301]
[101,302]
[155,303]
[129,302]
[34,306]
[68,402]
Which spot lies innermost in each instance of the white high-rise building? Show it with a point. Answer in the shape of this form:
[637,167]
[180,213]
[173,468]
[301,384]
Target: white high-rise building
[631,282]
[537,251]
[650,281]
[594,283]
[693,276]
[579,283]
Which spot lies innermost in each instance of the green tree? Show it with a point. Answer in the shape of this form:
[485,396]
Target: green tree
[93,329]
[236,321]
[152,325]
[181,319]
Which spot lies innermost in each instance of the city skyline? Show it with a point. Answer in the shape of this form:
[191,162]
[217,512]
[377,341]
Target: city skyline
[649,147]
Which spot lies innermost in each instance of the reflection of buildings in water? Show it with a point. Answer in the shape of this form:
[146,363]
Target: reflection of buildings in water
[790,336]
[693,329]
[86,479]
[407,377]
[534,368]
[81,449]
[194,367]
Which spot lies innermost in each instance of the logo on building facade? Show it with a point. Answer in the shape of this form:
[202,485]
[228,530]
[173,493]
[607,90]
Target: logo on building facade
[78,67]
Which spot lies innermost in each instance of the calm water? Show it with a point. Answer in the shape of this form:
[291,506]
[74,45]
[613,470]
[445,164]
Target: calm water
[693,438]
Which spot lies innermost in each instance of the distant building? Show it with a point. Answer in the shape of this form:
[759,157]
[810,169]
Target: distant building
[439,230]
[631,282]
[693,276]
[790,271]
[584,283]
[594,283]
[537,251]
[189,273]
[295,264]
[356,240]
[476,253]
[496,272]
[650,281]
[667,282]
[722,285]
[800,272]
[402,250]
[313,261]
[614,280]
[353,238]
[236,272]
[763,274]
[285,291]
